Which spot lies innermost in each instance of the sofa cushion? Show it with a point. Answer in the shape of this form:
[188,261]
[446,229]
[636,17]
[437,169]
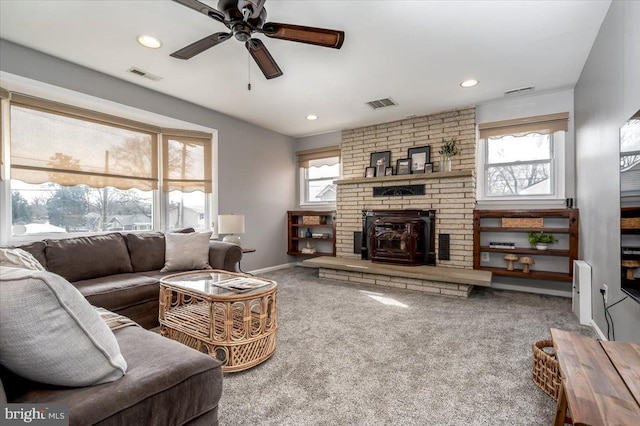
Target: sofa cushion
[186,252]
[146,251]
[37,250]
[18,258]
[51,334]
[167,383]
[82,258]
[117,292]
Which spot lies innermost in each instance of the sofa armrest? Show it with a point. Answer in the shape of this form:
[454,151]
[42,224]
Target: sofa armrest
[224,255]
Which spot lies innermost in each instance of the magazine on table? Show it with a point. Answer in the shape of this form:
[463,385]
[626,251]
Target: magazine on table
[240,284]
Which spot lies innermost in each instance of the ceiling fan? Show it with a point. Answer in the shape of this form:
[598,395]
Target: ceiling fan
[246,17]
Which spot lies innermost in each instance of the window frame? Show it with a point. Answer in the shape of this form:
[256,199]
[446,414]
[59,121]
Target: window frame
[159,200]
[304,186]
[302,160]
[557,168]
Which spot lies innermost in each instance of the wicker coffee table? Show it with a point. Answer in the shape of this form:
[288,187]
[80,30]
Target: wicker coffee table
[227,315]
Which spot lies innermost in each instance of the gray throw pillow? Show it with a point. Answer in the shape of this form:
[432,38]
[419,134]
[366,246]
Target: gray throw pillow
[49,333]
[18,258]
[185,252]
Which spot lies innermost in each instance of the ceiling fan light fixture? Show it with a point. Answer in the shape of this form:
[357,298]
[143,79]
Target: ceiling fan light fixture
[149,41]
[311,117]
[469,83]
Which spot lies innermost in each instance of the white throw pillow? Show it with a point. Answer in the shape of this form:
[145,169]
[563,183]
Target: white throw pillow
[18,258]
[50,333]
[186,252]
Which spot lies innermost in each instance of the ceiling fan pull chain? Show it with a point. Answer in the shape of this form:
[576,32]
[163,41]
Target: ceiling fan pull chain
[249,69]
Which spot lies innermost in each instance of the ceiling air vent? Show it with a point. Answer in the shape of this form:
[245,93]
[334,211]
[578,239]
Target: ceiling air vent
[381,103]
[144,74]
[520,91]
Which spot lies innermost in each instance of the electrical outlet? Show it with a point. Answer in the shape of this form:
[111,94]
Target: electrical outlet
[484,257]
[606,292]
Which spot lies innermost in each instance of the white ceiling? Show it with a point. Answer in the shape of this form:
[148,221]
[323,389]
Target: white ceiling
[416,52]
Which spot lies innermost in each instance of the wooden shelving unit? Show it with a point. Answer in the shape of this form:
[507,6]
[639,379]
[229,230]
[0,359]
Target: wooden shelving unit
[327,225]
[569,216]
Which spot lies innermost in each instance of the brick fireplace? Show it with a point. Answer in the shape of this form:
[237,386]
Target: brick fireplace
[451,195]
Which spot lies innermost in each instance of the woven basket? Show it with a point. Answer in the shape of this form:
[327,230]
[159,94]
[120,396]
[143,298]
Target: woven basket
[311,220]
[522,222]
[546,373]
[630,222]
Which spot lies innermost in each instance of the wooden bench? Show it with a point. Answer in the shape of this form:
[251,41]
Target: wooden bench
[600,380]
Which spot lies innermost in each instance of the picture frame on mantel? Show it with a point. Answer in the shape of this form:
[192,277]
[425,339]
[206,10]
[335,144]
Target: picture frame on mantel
[380,160]
[403,166]
[420,156]
[388,171]
[370,172]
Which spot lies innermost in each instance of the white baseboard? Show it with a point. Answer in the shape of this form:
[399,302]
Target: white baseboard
[598,331]
[524,289]
[273,268]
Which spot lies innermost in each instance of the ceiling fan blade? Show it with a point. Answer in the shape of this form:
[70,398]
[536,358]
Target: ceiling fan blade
[201,45]
[263,58]
[202,8]
[310,35]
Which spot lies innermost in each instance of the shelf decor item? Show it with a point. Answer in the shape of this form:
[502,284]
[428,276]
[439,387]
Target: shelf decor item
[380,161]
[420,156]
[447,150]
[311,220]
[526,262]
[541,240]
[510,257]
[403,166]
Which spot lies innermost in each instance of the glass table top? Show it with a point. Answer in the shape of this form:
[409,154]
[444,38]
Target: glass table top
[217,282]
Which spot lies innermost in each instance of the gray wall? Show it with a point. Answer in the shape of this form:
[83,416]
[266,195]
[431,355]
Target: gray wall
[607,94]
[256,167]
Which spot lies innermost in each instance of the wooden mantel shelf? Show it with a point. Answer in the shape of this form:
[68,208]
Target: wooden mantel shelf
[395,178]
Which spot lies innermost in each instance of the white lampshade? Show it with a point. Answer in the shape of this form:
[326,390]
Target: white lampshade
[231,224]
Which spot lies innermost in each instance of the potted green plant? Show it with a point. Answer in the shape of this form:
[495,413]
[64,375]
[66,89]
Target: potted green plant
[541,240]
[447,150]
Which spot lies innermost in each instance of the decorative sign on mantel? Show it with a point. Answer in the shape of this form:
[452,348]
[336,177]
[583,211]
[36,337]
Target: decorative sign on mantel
[398,190]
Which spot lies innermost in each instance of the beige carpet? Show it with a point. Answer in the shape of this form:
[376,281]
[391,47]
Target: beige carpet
[362,355]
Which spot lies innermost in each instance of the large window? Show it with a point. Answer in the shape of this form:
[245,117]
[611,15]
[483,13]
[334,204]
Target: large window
[75,171]
[519,165]
[522,159]
[318,169]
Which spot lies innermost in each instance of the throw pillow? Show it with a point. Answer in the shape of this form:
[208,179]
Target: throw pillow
[18,258]
[49,333]
[185,252]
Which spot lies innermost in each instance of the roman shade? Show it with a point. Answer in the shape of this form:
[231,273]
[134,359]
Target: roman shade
[328,154]
[53,142]
[186,161]
[543,124]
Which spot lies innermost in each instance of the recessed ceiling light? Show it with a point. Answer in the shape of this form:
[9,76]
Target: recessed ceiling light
[149,41]
[311,117]
[469,83]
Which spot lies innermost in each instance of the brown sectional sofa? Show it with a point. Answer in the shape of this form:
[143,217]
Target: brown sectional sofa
[120,272]
[166,382]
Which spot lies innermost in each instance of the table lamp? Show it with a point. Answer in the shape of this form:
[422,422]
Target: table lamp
[231,224]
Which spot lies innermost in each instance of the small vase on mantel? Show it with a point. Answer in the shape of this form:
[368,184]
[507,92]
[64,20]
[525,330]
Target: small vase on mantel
[445,164]
[448,150]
